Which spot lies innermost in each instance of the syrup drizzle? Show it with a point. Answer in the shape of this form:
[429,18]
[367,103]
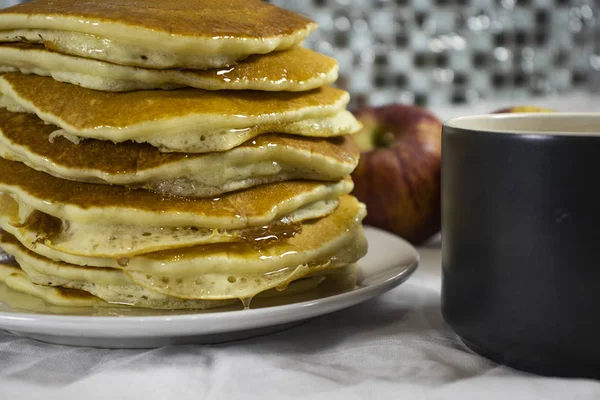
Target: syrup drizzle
[246,302]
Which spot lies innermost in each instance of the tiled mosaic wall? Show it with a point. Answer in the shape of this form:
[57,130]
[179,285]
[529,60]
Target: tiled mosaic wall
[457,51]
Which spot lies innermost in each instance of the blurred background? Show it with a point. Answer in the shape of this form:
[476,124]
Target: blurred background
[456,52]
[441,52]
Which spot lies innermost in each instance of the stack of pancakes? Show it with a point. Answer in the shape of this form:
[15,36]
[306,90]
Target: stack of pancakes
[233,182]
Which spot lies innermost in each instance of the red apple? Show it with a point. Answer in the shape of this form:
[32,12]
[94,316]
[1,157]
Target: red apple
[398,176]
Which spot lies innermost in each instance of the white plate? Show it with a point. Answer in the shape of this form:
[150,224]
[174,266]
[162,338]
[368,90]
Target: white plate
[389,262]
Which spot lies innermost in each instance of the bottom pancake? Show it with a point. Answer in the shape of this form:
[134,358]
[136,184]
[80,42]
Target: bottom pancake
[16,279]
[19,293]
[100,288]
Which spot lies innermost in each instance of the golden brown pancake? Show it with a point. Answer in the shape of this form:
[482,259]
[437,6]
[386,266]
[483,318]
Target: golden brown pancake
[215,272]
[30,297]
[157,33]
[105,245]
[265,159]
[108,284]
[109,205]
[17,280]
[297,69]
[220,271]
[187,120]
[316,234]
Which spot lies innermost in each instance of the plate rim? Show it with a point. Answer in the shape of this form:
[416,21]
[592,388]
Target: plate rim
[78,325]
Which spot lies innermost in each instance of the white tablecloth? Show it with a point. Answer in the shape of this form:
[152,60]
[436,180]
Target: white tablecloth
[396,346]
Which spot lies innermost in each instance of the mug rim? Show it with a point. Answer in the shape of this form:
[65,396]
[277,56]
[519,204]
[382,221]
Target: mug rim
[540,124]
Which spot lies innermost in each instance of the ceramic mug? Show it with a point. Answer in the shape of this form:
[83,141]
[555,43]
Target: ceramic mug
[521,239]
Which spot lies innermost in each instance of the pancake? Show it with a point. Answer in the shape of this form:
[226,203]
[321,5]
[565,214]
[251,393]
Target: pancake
[17,280]
[217,272]
[156,33]
[185,120]
[117,205]
[110,245]
[305,289]
[298,69]
[239,270]
[22,302]
[265,159]
[110,285]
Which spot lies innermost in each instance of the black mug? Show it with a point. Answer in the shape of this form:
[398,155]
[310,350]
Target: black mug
[521,239]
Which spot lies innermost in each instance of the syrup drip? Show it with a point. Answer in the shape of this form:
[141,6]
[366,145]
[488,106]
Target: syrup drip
[123,261]
[246,302]
[282,287]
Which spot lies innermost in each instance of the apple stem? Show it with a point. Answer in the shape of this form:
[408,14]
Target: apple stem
[385,139]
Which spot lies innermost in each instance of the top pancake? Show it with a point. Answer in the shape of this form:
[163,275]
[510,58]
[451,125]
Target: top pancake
[158,33]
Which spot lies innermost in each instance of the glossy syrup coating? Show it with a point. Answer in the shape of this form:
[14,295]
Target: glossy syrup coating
[297,66]
[193,18]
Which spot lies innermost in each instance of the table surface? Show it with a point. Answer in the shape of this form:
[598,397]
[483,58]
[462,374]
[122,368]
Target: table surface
[394,346]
